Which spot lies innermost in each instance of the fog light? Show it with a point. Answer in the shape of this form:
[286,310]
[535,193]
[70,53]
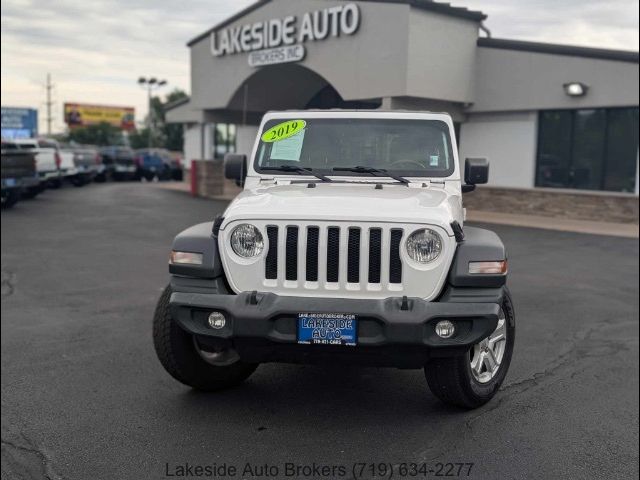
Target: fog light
[216,320]
[445,329]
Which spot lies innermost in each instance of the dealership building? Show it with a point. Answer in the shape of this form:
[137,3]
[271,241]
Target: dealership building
[552,119]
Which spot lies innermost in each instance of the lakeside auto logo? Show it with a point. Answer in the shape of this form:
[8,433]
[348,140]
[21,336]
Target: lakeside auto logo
[280,40]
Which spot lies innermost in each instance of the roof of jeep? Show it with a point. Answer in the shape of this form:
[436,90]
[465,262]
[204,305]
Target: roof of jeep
[355,113]
[346,112]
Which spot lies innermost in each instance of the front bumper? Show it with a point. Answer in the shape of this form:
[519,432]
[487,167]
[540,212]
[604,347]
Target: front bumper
[69,172]
[263,326]
[20,182]
[49,175]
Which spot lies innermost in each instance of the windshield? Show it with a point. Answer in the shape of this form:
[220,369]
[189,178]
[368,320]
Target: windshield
[418,148]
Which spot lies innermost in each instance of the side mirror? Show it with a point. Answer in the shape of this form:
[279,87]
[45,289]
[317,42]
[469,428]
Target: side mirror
[476,171]
[235,167]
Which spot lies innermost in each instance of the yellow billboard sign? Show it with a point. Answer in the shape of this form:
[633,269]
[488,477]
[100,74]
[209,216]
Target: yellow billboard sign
[82,114]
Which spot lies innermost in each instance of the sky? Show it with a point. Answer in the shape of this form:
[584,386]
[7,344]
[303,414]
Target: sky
[96,50]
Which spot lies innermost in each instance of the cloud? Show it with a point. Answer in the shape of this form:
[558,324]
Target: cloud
[96,50]
[591,23]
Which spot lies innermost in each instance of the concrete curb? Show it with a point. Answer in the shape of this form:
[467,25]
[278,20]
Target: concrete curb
[627,230]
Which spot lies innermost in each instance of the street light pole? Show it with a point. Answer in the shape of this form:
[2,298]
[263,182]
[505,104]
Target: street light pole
[149,115]
[150,84]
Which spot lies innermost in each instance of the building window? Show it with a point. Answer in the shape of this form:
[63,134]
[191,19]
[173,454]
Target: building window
[589,149]
[224,139]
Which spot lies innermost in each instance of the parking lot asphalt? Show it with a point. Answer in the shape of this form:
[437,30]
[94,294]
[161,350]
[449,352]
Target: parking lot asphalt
[84,397]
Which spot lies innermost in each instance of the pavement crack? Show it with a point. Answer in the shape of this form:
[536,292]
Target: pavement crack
[8,283]
[581,346]
[521,386]
[30,449]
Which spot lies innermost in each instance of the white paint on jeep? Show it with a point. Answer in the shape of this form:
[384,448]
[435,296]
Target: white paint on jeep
[284,200]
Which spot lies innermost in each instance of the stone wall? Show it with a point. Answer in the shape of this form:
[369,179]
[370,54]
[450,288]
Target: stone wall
[207,180]
[598,206]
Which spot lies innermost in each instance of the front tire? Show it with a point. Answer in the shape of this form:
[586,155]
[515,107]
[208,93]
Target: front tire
[33,192]
[178,355]
[55,183]
[10,198]
[467,381]
[78,182]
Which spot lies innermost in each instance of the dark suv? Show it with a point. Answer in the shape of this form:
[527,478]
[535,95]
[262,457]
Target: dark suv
[117,164]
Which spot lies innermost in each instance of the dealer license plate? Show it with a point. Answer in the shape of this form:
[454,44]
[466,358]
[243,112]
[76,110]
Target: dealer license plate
[327,328]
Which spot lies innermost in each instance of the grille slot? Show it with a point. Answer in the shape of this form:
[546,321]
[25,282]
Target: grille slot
[292,254]
[375,254]
[271,262]
[353,256]
[395,263]
[313,238]
[333,254]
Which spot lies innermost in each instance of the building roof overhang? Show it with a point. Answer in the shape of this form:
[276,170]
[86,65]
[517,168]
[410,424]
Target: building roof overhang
[555,49]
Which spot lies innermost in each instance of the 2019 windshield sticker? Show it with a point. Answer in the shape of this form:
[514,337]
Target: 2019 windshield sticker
[283,130]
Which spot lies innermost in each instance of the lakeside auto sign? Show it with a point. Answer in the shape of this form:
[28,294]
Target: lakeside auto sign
[281,40]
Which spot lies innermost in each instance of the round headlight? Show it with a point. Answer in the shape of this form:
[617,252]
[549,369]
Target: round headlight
[246,241]
[424,246]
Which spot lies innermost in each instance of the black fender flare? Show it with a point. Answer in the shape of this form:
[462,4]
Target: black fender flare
[198,239]
[479,245]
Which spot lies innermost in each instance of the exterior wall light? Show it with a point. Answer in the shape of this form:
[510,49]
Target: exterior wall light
[575,89]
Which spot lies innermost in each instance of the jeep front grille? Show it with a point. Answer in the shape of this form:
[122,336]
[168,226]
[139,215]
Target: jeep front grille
[370,247]
[335,259]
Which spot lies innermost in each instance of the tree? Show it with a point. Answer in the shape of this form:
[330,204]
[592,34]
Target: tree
[139,138]
[166,135]
[173,131]
[101,134]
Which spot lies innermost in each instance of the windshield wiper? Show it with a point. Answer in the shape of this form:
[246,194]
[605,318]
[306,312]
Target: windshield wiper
[298,170]
[372,171]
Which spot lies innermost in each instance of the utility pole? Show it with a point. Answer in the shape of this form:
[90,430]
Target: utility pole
[49,103]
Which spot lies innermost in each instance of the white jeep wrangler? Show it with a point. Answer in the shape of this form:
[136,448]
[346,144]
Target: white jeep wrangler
[347,245]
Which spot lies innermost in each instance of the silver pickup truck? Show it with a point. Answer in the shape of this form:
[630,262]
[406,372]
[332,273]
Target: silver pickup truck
[85,163]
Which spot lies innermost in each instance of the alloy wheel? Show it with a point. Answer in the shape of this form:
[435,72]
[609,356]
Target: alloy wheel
[486,356]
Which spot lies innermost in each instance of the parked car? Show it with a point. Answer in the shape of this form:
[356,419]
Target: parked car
[47,165]
[66,166]
[176,166]
[117,164]
[86,160]
[18,172]
[347,245]
[152,163]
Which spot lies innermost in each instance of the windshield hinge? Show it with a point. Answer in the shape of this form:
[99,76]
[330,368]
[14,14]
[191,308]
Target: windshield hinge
[428,183]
